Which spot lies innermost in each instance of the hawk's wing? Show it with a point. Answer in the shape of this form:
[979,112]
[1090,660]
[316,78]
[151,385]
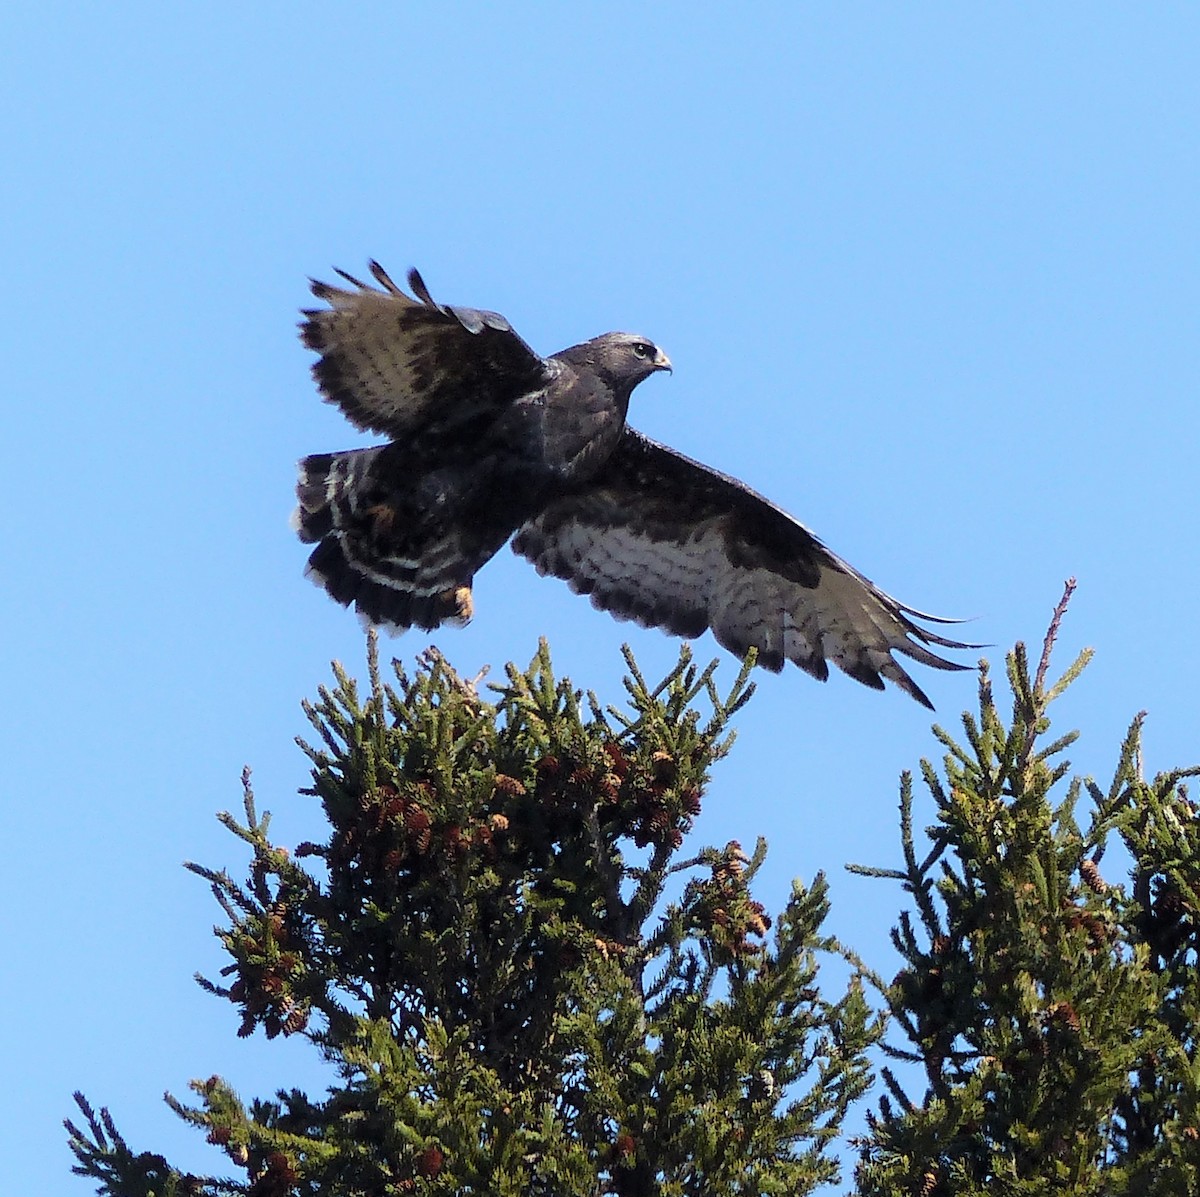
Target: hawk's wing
[399,365]
[666,541]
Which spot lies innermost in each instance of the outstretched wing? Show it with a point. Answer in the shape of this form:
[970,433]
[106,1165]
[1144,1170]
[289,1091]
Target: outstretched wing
[670,543]
[399,365]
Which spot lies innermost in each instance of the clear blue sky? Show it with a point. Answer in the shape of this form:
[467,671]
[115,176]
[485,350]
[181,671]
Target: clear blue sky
[929,277]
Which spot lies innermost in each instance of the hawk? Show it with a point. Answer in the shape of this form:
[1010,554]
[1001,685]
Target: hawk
[487,439]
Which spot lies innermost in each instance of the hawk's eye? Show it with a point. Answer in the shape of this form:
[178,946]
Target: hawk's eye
[641,349]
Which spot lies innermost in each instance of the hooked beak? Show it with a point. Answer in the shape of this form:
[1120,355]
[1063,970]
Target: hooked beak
[662,362]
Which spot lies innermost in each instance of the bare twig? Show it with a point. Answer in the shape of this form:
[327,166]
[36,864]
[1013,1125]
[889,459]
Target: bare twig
[1039,681]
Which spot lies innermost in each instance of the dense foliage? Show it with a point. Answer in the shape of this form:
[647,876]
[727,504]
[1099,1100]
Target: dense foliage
[1052,1012]
[524,986]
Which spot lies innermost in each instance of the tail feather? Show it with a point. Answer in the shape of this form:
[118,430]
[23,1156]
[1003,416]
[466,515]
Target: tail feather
[329,490]
[369,556]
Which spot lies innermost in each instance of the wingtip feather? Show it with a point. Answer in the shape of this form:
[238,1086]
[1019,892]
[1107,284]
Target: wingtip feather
[351,279]
[417,283]
[384,279]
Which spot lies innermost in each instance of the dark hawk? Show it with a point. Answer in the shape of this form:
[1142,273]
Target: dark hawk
[485,439]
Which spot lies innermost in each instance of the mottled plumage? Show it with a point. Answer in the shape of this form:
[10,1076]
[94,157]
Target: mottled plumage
[487,439]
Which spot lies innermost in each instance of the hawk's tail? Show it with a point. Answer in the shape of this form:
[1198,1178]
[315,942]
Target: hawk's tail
[365,556]
[330,488]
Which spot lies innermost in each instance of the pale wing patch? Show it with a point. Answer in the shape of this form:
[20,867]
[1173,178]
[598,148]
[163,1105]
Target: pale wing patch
[656,583]
[377,357]
[398,365]
[688,585]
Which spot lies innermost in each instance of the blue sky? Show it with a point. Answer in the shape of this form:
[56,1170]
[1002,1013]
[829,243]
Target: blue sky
[929,278]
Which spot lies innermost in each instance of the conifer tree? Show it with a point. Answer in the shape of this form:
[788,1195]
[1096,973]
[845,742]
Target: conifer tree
[522,985]
[525,988]
[1052,1011]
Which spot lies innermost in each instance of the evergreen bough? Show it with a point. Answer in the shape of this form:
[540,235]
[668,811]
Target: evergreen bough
[1052,1012]
[523,987]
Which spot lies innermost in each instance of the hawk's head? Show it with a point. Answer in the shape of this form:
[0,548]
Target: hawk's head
[625,359]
